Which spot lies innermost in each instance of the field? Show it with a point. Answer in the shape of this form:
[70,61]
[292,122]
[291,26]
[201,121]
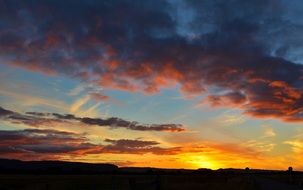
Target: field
[149,182]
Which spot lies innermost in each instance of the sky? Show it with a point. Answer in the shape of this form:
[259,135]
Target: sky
[153,83]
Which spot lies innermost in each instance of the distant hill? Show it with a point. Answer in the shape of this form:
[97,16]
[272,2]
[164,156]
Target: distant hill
[54,167]
[62,167]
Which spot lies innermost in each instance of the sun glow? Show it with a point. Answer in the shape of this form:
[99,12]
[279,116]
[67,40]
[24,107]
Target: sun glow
[201,161]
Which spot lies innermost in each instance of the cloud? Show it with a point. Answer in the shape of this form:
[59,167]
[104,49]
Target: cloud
[46,144]
[52,144]
[56,144]
[78,104]
[49,143]
[4,112]
[99,97]
[117,122]
[296,145]
[131,143]
[261,146]
[138,147]
[231,98]
[37,119]
[242,49]
[94,91]
[231,119]
[269,132]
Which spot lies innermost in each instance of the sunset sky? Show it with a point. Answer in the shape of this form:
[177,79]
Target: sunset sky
[153,83]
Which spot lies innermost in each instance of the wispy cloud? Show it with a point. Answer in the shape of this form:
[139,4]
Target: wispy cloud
[269,132]
[74,108]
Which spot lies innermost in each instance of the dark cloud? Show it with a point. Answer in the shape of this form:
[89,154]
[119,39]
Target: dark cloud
[230,98]
[4,112]
[53,144]
[38,114]
[118,123]
[65,116]
[137,147]
[34,141]
[38,119]
[239,47]
[131,143]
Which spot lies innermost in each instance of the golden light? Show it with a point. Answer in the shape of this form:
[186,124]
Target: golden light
[201,161]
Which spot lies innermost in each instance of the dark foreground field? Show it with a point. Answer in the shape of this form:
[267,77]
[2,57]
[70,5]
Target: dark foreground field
[58,175]
[149,182]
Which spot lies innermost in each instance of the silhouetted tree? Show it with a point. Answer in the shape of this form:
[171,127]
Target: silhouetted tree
[290,169]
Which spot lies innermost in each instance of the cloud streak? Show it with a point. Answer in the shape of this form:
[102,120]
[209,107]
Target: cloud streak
[37,119]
